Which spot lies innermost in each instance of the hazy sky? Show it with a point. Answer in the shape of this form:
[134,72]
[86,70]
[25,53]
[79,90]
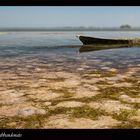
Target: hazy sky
[56,16]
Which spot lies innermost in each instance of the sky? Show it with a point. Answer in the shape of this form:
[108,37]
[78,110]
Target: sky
[73,16]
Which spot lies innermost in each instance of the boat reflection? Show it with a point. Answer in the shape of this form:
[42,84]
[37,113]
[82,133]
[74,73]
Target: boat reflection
[87,48]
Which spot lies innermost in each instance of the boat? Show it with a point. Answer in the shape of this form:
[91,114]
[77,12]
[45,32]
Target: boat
[103,41]
[94,44]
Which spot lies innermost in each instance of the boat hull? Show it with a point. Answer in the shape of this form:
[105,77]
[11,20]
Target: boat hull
[94,44]
[91,40]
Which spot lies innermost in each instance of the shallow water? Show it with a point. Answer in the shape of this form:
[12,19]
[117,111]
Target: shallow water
[41,72]
[54,49]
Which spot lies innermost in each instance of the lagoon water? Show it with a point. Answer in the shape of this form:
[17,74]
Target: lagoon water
[54,49]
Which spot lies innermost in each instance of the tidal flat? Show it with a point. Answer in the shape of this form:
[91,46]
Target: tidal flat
[68,93]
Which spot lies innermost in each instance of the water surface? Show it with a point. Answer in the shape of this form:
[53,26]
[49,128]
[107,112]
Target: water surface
[54,49]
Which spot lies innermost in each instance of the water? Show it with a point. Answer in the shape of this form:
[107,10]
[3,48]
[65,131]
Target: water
[35,69]
[54,49]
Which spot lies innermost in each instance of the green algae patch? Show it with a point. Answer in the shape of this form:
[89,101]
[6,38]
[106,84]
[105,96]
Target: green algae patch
[31,122]
[16,122]
[103,83]
[131,91]
[103,73]
[34,121]
[136,105]
[128,125]
[110,92]
[114,92]
[58,79]
[105,93]
[67,93]
[59,110]
[78,112]
[124,114]
[131,80]
[87,112]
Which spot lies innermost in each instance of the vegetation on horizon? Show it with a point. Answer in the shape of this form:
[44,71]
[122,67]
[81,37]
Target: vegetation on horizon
[125,27]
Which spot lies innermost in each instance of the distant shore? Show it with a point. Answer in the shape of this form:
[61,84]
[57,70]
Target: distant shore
[67,29]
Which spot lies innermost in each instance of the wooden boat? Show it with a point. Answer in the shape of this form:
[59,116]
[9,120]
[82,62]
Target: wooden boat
[102,41]
[94,44]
